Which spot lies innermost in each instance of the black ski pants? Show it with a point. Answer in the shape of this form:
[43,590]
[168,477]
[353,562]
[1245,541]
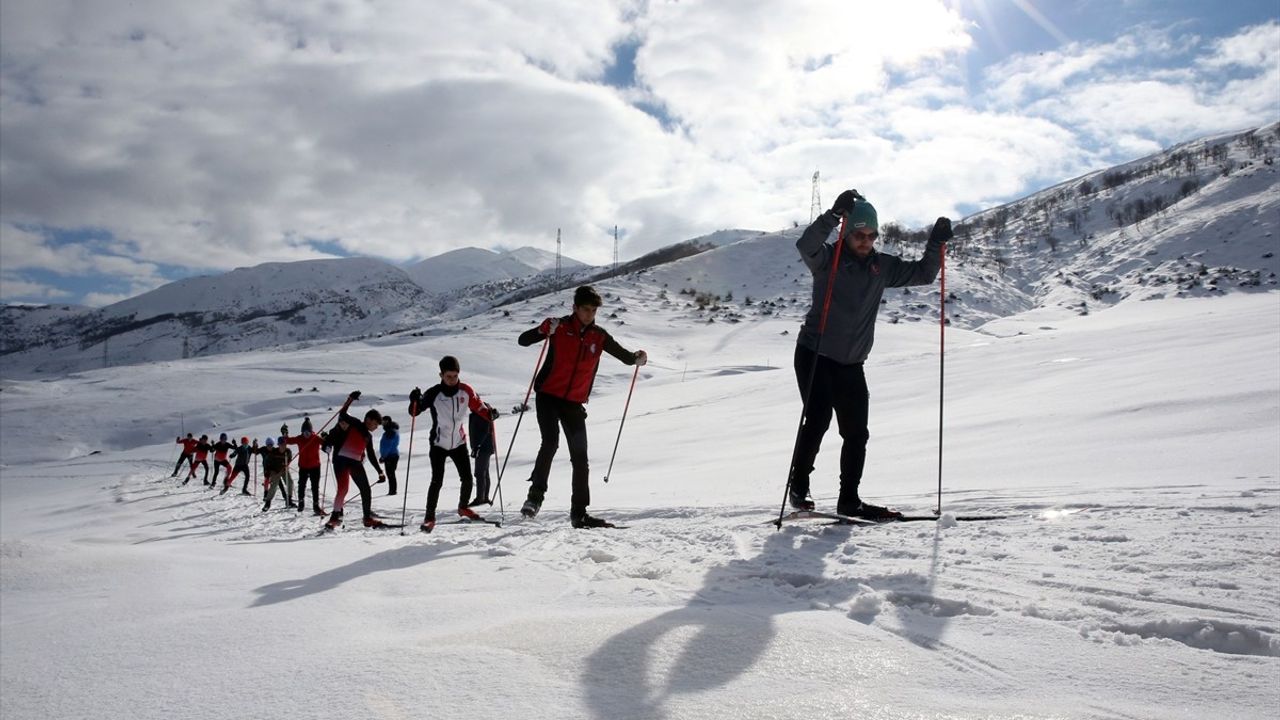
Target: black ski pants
[482,457]
[461,461]
[312,474]
[200,463]
[841,389]
[553,414]
[218,465]
[183,458]
[389,464]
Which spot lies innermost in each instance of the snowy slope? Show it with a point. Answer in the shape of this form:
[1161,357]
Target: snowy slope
[1134,450]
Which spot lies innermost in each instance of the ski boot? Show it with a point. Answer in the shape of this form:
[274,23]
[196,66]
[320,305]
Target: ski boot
[530,508]
[584,520]
[798,501]
[335,520]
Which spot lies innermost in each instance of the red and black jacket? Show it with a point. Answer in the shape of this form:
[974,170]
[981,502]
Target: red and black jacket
[573,355]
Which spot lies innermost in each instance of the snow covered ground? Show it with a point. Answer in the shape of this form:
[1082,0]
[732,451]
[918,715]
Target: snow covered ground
[1136,451]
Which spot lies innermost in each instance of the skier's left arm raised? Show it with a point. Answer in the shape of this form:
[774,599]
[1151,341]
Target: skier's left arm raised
[925,270]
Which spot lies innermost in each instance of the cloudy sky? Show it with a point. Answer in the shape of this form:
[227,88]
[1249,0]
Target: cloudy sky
[148,140]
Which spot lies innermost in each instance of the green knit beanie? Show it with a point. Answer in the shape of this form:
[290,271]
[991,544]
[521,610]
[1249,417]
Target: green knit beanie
[862,217]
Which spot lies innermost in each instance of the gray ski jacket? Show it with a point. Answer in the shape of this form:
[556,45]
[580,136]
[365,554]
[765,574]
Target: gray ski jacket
[859,285]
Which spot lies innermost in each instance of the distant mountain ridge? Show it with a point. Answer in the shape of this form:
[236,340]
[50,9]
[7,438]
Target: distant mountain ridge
[469,266]
[1199,219]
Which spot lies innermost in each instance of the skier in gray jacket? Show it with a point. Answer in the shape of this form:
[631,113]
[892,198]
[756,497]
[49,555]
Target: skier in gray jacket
[838,382]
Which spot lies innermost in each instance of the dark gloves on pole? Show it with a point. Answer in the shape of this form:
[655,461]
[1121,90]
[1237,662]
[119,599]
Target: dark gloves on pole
[941,231]
[844,203]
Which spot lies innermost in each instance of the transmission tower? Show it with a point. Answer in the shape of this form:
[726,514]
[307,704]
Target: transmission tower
[557,256]
[615,248]
[815,205]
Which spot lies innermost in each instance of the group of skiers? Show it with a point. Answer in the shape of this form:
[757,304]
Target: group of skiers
[574,345]
[833,343]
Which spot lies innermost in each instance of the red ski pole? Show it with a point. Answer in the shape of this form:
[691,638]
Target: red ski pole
[813,368]
[413,422]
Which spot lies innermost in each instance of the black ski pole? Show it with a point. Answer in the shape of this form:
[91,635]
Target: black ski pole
[626,407]
[813,369]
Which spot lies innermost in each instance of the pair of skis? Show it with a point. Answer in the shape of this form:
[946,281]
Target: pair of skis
[479,520]
[838,519]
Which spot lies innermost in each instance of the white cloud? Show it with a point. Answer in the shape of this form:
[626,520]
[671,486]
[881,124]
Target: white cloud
[1256,48]
[218,135]
[13,287]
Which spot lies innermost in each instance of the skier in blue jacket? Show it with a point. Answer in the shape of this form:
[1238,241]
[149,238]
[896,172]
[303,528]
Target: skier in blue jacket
[389,449]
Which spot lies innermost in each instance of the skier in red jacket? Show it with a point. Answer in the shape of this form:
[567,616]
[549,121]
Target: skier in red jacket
[308,466]
[575,344]
[188,452]
[202,449]
[352,441]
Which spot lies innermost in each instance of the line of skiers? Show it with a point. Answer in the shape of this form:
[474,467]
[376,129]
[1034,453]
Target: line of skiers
[277,458]
[573,347]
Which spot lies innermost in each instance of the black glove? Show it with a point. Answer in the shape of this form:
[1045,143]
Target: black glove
[355,395]
[844,203]
[415,395]
[284,429]
[941,231]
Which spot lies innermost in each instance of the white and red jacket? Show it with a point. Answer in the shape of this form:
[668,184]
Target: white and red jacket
[449,408]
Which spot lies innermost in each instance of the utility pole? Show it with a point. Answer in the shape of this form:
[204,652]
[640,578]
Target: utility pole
[815,204]
[557,256]
[615,248]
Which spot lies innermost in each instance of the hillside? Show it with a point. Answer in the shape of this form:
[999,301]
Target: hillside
[248,308]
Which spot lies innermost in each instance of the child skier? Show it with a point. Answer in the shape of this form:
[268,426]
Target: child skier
[480,425]
[220,451]
[308,466]
[449,402]
[275,461]
[352,441]
[188,450]
[202,459]
[389,448]
[243,455]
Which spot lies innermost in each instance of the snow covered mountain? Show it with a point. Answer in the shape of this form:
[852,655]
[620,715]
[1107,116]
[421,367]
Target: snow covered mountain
[263,306]
[456,269]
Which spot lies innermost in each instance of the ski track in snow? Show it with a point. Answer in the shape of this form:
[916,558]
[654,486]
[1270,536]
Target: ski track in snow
[938,591]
